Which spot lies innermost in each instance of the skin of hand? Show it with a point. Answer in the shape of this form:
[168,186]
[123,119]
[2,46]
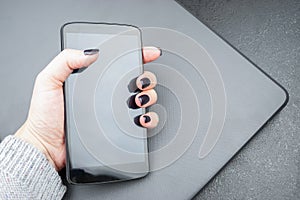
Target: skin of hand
[44,127]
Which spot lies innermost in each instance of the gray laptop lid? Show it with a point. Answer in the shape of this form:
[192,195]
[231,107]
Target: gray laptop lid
[250,99]
[222,107]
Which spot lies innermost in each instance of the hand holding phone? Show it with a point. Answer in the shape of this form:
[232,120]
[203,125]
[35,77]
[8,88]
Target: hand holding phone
[104,143]
[44,126]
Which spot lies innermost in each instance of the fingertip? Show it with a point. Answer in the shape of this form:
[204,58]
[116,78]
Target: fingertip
[76,59]
[64,63]
[151,53]
[149,120]
[91,55]
[146,81]
[146,98]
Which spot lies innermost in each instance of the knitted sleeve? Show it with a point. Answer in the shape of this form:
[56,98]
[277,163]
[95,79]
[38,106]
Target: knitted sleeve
[25,173]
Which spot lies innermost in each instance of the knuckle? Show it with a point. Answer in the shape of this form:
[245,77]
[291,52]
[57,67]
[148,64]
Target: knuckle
[40,77]
[66,51]
[65,54]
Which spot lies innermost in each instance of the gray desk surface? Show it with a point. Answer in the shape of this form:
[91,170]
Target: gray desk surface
[267,32]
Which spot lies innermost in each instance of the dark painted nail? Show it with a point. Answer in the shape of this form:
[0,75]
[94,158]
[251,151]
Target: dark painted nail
[145,82]
[89,52]
[160,51]
[131,102]
[143,99]
[137,120]
[147,118]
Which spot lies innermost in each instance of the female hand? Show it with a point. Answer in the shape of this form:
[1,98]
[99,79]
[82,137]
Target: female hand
[44,127]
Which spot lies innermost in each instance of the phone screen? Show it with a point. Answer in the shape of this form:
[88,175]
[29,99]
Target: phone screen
[103,142]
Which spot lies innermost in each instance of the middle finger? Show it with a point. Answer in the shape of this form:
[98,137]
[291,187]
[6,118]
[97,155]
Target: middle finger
[146,98]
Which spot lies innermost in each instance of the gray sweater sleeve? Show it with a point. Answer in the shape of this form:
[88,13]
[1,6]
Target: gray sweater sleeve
[25,173]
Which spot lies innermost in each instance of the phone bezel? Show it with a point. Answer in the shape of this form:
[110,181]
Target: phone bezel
[93,27]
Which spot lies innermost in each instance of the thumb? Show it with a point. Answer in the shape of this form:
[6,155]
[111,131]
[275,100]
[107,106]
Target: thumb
[64,63]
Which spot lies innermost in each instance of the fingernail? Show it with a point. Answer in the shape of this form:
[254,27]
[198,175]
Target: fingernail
[89,52]
[137,120]
[160,51]
[131,102]
[143,99]
[147,118]
[145,82]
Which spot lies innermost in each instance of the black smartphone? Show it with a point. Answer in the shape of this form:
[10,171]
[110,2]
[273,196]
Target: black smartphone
[102,141]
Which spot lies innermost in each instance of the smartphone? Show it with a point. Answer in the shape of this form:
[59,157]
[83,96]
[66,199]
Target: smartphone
[102,141]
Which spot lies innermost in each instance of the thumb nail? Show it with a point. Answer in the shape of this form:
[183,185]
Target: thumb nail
[89,52]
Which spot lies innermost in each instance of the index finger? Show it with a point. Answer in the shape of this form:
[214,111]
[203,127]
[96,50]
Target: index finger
[151,54]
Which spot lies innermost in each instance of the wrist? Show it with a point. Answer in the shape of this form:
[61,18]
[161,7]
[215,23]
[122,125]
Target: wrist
[25,135]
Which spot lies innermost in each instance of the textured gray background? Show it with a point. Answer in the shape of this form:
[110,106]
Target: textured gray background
[267,32]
